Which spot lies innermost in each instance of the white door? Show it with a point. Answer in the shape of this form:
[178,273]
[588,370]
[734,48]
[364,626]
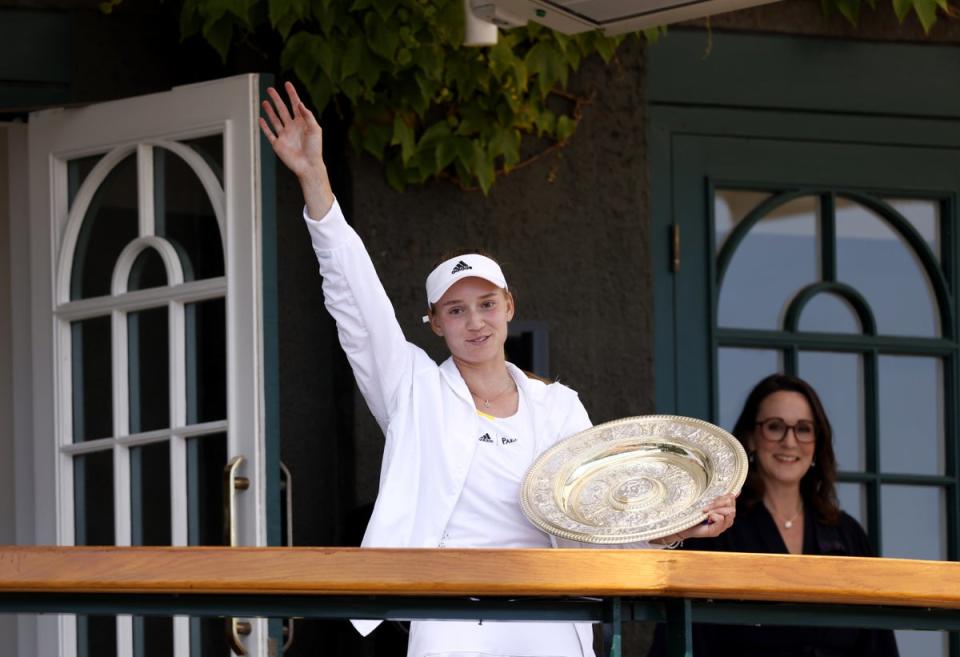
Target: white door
[146,288]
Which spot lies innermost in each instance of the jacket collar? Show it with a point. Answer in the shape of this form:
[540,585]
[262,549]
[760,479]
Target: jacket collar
[452,375]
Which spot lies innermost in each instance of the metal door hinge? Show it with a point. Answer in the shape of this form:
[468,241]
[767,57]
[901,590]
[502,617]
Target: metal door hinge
[675,248]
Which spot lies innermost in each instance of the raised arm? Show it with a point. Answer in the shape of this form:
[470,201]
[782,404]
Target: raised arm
[379,354]
[297,139]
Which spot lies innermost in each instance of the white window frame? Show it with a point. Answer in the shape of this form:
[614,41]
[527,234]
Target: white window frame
[229,107]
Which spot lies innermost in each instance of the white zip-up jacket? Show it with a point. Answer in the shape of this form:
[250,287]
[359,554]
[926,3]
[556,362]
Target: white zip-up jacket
[425,411]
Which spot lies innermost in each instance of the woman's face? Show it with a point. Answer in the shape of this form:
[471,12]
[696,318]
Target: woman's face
[783,461]
[472,318]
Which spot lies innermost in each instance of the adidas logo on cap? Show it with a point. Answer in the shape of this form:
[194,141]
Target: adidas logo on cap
[460,266]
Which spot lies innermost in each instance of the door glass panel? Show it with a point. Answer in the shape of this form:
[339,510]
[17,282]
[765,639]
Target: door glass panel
[149,369]
[206,352]
[109,225]
[829,313]
[916,642]
[853,501]
[185,216]
[776,258]
[911,415]
[91,379]
[879,264]
[148,271]
[838,380]
[924,216]
[206,458]
[77,172]
[93,498]
[207,638]
[730,206]
[96,636]
[150,494]
[739,370]
[211,149]
[909,512]
[152,636]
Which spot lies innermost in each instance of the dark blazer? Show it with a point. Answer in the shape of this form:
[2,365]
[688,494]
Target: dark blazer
[754,531]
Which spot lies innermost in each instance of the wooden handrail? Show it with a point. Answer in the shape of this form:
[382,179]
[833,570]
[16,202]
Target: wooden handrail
[450,572]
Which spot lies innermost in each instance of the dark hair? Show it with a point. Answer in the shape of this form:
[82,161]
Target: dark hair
[817,488]
[448,255]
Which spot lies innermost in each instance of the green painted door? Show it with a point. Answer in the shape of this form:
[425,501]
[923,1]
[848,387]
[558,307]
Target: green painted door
[824,244]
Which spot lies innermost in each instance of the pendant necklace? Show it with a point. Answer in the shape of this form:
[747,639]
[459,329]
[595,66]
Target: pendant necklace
[488,402]
[787,524]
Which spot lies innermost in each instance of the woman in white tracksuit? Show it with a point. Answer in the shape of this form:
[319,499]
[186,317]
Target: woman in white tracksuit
[459,436]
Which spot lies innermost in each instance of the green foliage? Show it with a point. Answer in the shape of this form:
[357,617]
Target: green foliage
[418,100]
[925,10]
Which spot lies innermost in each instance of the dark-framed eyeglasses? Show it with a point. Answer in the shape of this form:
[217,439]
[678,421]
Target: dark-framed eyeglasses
[775,429]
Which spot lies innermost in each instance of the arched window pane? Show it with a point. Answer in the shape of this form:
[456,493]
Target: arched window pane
[838,380]
[924,216]
[739,370]
[730,206]
[77,171]
[776,258]
[878,263]
[108,226]
[829,313]
[211,149]
[148,271]
[149,369]
[91,378]
[185,216]
[911,415]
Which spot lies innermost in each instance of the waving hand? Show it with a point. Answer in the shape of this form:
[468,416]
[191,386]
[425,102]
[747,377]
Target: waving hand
[297,139]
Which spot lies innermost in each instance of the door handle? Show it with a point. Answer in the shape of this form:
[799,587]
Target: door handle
[286,487]
[232,482]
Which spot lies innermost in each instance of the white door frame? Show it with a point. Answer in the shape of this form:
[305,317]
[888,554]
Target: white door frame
[230,106]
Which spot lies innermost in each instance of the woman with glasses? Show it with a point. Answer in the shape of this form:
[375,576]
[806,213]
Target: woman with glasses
[788,505]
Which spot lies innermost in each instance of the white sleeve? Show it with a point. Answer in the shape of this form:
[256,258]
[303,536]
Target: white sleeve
[369,333]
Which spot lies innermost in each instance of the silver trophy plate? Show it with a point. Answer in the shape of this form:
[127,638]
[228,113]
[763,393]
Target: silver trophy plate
[634,479]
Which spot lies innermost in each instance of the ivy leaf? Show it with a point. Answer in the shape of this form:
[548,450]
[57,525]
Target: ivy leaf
[606,47]
[926,11]
[482,167]
[190,19]
[565,127]
[321,90]
[395,174]
[381,38]
[284,14]
[546,63]
[506,142]
[403,137]
[239,9]
[219,34]
[433,133]
[374,138]
[849,9]
[901,8]
[352,57]
[447,151]
[429,59]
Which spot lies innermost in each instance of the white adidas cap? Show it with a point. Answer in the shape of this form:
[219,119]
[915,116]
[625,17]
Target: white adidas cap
[463,266]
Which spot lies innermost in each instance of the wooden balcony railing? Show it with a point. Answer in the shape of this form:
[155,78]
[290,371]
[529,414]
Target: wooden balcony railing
[596,585]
